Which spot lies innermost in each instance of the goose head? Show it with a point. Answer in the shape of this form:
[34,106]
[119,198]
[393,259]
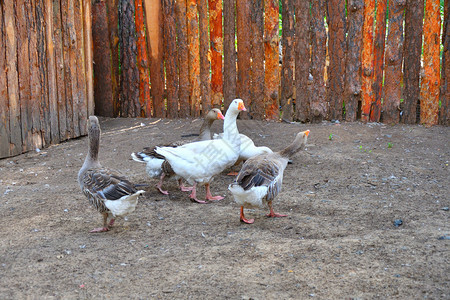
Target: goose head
[236,106]
[215,114]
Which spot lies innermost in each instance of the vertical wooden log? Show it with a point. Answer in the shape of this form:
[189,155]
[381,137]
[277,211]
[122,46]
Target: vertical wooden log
[367,60]
[170,58]
[429,88]
[4,105]
[87,32]
[352,89]
[272,58]
[129,77]
[215,32]
[378,61]
[64,134]
[318,57]
[23,64]
[302,59]
[229,53]
[81,67]
[257,109]
[194,58]
[336,52]
[15,142]
[142,62]
[154,17]
[113,30]
[183,58]
[393,63]
[287,67]
[243,53]
[411,64]
[103,82]
[205,56]
[444,117]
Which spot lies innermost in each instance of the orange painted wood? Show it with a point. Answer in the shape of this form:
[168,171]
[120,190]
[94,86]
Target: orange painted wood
[412,59]
[257,108]
[194,57]
[216,48]
[183,59]
[429,86]
[113,24]
[205,56]
[287,67]
[352,87]
[229,52]
[142,62]
[444,117]
[243,34]
[393,63]
[154,18]
[88,55]
[4,106]
[15,142]
[302,60]
[367,60]
[170,58]
[272,75]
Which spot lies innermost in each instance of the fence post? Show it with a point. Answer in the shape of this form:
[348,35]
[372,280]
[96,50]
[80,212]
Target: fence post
[367,59]
[113,30]
[287,66]
[4,106]
[205,82]
[445,87]
[216,48]
[257,110]
[243,53]
[194,59]
[229,52]
[183,58]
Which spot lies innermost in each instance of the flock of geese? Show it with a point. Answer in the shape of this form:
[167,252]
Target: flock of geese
[197,162]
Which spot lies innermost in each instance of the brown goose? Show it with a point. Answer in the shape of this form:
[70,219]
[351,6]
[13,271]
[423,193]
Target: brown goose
[111,194]
[260,179]
[157,166]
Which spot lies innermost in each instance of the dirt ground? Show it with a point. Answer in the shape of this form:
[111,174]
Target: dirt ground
[342,194]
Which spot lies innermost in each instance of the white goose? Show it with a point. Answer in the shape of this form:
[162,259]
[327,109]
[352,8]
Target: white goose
[109,193]
[199,162]
[261,177]
[157,166]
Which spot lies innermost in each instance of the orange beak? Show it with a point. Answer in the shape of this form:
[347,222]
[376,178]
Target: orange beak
[307,132]
[241,106]
[220,116]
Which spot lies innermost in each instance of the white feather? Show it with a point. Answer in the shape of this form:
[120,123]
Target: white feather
[252,197]
[123,206]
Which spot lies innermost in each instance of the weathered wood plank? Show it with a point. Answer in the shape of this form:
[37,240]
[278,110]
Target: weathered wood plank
[103,83]
[142,62]
[429,86]
[318,57]
[367,60]
[302,60]
[87,31]
[183,59]
[243,53]
[352,90]
[194,58]
[229,53]
[215,32]
[154,18]
[170,58]
[257,109]
[4,101]
[81,67]
[113,29]
[15,142]
[411,69]
[444,116]
[393,63]
[205,82]
[287,67]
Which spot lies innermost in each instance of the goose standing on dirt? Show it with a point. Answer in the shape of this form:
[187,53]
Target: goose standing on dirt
[111,194]
[157,166]
[199,162]
[260,179]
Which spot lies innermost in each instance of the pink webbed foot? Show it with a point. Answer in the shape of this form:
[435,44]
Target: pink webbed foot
[243,219]
[209,196]
[184,188]
[193,195]
[161,190]
[100,229]
[275,215]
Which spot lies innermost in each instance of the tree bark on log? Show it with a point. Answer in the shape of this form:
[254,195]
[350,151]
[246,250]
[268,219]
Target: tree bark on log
[87,10]
[393,63]
[194,57]
[367,60]
[302,60]
[411,65]
[215,32]
[229,53]
[243,54]
[256,109]
[287,67]
[429,87]
[4,106]
[113,32]
[205,82]
[183,58]
[444,117]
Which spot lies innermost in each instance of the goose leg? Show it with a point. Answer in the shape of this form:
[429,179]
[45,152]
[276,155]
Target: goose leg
[243,219]
[105,226]
[209,196]
[193,195]
[184,188]
[272,214]
[159,184]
